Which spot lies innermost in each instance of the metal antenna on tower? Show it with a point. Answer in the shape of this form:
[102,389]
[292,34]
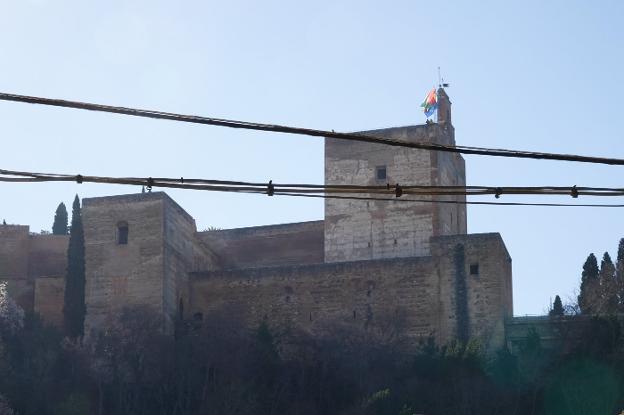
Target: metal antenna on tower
[441,83]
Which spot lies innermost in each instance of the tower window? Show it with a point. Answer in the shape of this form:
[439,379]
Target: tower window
[474,269]
[122,233]
[380,173]
[181,310]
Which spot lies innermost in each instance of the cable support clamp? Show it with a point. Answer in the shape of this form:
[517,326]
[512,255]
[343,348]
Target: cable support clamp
[270,188]
[574,192]
[182,180]
[79,179]
[498,193]
[150,184]
[398,191]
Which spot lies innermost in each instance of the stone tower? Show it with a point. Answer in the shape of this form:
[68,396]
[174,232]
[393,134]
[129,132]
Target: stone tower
[358,230]
[139,249]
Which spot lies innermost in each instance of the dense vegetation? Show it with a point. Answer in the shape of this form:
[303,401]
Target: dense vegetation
[215,366]
[602,289]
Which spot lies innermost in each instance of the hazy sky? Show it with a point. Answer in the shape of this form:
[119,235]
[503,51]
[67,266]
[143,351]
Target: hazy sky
[534,75]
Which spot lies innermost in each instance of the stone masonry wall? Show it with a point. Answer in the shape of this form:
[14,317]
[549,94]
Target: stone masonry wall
[183,253]
[119,276]
[47,255]
[448,169]
[419,293]
[49,295]
[488,294]
[356,230]
[363,293]
[14,248]
[266,246]
[24,257]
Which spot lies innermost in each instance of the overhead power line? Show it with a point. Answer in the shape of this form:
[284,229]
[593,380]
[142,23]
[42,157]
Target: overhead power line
[393,193]
[497,152]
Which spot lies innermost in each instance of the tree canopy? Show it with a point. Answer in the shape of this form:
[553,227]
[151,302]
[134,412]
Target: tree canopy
[59,227]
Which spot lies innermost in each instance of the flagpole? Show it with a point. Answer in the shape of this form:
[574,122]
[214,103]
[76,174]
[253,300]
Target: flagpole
[439,86]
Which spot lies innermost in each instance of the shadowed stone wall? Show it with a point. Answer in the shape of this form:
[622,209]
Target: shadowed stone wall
[49,295]
[183,253]
[416,293]
[24,257]
[362,293]
[47,255]
[14,251]
[268,246]
[487,295]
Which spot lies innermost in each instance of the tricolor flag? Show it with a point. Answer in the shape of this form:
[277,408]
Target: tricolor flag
[430,104]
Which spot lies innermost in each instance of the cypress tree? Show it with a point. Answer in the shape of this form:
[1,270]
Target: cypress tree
[608,289]
[619,262]
[590,286]
[74,307]
[59,227]
[557,309]
[619,275]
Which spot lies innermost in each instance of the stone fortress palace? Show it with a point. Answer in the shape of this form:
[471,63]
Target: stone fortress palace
[367,262]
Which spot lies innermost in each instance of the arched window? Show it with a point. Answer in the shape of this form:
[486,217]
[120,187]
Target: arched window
[122,233]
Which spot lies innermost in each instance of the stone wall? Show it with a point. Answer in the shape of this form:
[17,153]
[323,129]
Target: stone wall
[49,295]
[357,230]
[14,248]
[21,291]
[183,253]
[47,255]
[24,257]
[481,265]
[448,169]
[417,293]
[266,246]
[118,276]
[562,333]
[363,293]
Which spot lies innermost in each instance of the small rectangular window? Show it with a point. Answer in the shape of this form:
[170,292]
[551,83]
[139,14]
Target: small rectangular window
[380,173]
[122,234]
[474,269]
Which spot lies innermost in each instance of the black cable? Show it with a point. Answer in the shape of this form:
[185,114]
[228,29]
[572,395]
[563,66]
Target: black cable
[264,189]
[422,190]
[308,131]
[455,202]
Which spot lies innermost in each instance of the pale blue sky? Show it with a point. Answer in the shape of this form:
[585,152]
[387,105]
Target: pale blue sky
[529,75]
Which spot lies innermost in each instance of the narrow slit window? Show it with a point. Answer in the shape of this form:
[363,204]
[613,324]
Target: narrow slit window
[380,173]
[122,233]
[474,269]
